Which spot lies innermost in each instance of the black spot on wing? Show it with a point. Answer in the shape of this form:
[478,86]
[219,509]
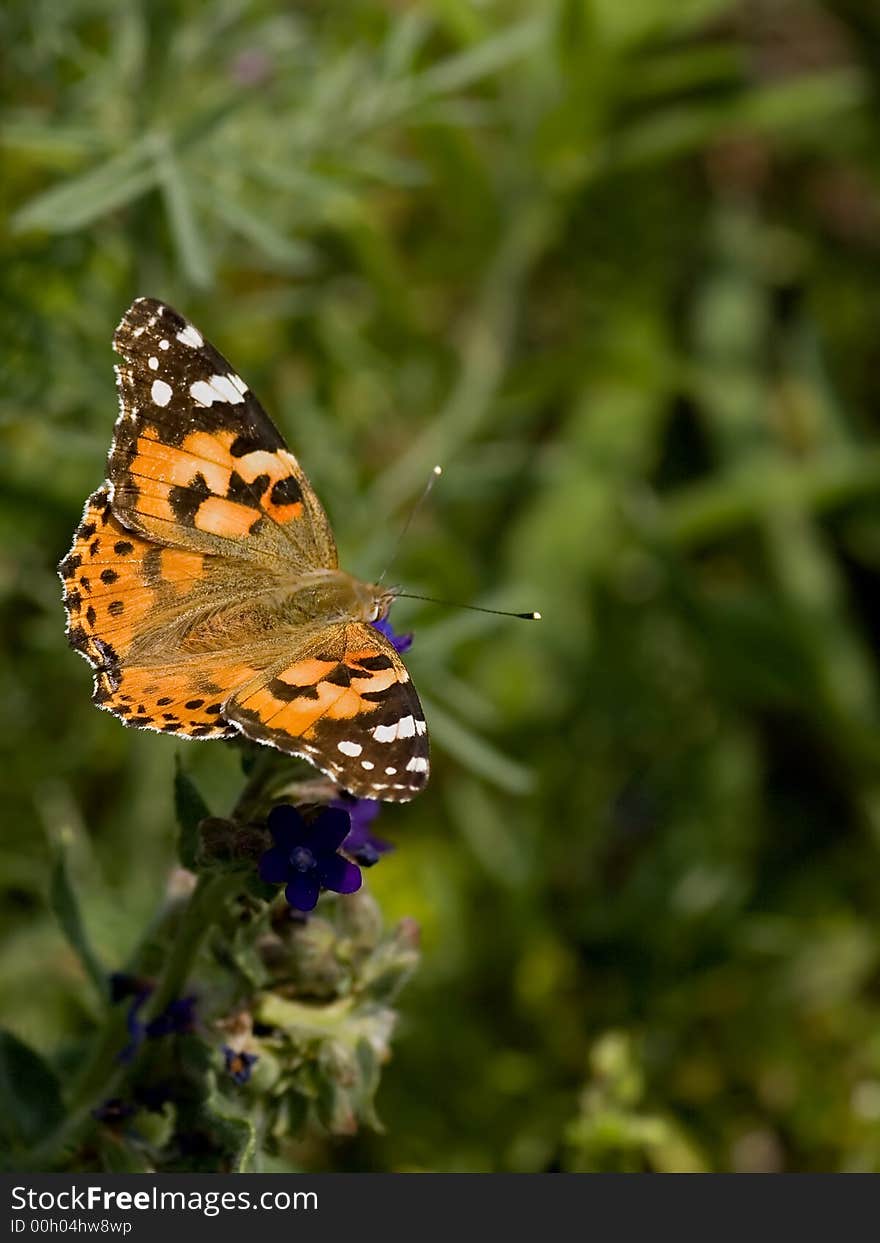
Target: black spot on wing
[374,663]
[286,492]
[246,443]
[285,692]
[185,500]
[246,493]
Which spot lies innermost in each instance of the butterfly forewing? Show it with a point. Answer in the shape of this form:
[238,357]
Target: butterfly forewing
[196,461]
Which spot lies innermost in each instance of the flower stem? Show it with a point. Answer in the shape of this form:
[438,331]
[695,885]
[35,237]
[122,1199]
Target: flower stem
[103,1074]
[205,905]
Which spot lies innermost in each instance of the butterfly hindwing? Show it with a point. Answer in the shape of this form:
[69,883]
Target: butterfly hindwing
[196,461]
[126,598]
[347,704]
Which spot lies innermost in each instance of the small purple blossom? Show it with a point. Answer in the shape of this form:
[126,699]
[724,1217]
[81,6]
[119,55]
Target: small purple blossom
[251,67]
[304,858]
[122,986]
[400,642]
[177,1019]
[239,1063]
[361,843]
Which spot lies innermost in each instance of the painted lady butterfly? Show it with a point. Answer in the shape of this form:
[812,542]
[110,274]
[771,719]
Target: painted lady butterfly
[203,585]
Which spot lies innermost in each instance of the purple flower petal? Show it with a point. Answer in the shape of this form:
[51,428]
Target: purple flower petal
[286,826]
[329,831]
[400,642]
[239,1063]
[363,812]
[339,875]
[275,866]
[302,890]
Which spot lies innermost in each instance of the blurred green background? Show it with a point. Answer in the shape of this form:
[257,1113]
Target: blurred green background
[615,265]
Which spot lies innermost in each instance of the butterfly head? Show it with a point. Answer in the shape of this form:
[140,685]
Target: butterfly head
[377,602]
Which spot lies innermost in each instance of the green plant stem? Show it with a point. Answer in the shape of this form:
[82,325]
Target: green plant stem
[104,1075]
[201,912]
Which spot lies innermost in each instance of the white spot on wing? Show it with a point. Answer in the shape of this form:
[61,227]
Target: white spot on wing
[418,764]
[161,392]
[218,388]
[349,748]
[389,772]
[163,344]
[368,764]
[202,393]
[223,384]
[406,727]
[191,336]
[153,363]
[385,733]
[421,727]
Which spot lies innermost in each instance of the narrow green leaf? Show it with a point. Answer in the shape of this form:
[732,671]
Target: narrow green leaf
[182,221]
[482,59]
[286,252]
[30,1096]
[65,905]
[475,753]
[190,809]
[84,199]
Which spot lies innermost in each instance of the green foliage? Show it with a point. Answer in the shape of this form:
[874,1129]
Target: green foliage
[190,809]
[30,1097]
[63,900]
[612,264]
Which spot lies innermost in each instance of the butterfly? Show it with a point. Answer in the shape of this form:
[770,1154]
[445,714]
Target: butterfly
[203,583]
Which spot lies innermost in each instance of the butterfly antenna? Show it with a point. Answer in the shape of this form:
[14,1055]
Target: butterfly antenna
[426,492]
[473,608]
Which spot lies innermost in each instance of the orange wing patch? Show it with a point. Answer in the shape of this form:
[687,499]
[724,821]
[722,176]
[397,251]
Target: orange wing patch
[184,700]
[114,581]
[116,584]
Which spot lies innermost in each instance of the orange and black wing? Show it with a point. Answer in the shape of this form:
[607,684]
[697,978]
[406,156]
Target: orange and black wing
[196,462]
[129,603]
[346,703]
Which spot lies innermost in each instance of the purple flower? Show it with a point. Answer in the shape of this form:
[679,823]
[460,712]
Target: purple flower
[304,858]
[361,844]
[177,1019]
[239,1064]
[400,642]
[122,986]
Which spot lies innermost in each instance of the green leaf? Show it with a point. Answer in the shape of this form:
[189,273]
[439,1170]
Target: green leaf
[287,252]
[190,809]
[65,905]
[480,60]
[84,199]
[182,221]
[30,1096]
[475,753]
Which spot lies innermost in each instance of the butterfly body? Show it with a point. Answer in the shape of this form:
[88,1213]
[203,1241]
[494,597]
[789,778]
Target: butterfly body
[203,584]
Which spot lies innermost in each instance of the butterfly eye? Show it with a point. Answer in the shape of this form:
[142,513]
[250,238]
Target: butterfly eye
[375,611]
